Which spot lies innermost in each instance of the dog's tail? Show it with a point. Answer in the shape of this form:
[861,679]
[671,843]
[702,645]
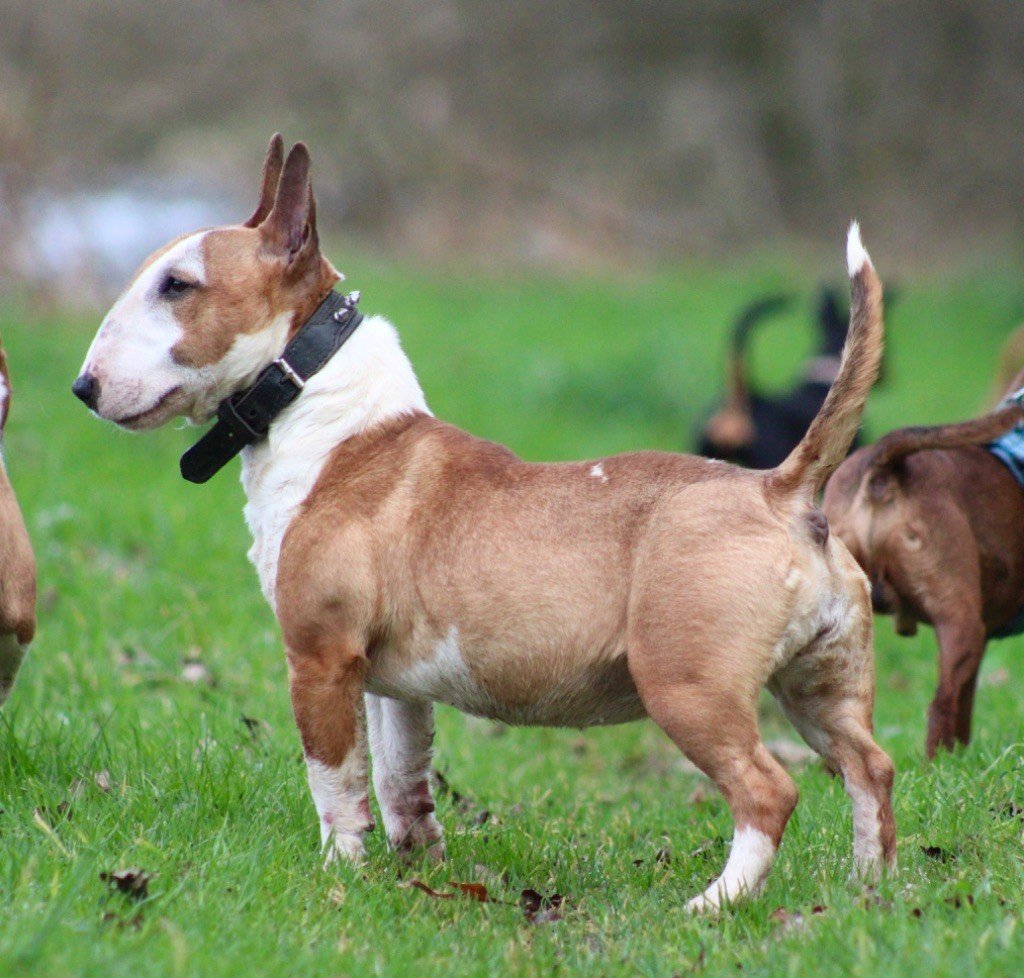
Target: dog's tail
[890,450]
[831,433]
[737,385]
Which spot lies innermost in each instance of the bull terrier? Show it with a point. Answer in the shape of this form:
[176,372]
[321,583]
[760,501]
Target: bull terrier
[409,562]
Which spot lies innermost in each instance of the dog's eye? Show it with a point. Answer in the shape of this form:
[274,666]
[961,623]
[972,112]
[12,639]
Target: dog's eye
[172,286]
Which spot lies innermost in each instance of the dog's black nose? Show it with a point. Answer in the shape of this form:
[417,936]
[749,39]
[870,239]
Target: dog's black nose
[87,390]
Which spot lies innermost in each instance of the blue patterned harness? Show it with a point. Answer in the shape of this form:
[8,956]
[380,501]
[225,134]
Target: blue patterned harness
[1009,449]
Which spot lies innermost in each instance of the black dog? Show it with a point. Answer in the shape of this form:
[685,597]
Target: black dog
[758,431]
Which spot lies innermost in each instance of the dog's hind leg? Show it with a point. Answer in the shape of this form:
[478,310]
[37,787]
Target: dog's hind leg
[401,734]
[717,730]
[961,646]
[705,699]
[827,691]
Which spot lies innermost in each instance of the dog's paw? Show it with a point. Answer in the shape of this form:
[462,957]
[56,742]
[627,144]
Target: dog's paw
[705,903]
[424,838]
[344,847]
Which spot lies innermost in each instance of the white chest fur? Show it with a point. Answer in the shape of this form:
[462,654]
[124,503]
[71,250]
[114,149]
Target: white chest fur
[369,381]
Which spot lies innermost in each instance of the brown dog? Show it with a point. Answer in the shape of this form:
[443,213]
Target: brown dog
[17,565]
[937,522]
[412,562]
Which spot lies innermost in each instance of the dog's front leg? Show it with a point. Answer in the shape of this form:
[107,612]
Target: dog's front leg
[401,734]
[327,698]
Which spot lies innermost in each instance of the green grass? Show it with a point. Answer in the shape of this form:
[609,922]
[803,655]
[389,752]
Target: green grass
[140,572]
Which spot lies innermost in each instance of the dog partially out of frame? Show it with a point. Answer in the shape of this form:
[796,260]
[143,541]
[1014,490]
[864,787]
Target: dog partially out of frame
[17,564]
[935,516]
[409,562]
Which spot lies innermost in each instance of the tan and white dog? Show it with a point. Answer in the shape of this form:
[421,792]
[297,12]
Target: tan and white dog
[409,562]
[17,564]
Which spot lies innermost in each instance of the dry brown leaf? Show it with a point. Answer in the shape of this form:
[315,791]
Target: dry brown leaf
[938,853]
[474,891]
[540,909]
[133,882]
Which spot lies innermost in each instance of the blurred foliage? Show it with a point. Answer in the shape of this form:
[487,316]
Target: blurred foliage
[555,131]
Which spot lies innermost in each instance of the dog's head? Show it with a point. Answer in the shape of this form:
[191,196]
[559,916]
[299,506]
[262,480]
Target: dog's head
[205,313]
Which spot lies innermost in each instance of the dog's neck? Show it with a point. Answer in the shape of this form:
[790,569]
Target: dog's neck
[368,382]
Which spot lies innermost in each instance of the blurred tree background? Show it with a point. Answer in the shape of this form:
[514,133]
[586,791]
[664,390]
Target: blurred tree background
[557,133]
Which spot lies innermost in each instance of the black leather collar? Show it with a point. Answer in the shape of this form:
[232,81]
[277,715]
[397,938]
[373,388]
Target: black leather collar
[245,418]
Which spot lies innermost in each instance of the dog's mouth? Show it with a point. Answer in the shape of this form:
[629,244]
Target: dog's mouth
[150,418]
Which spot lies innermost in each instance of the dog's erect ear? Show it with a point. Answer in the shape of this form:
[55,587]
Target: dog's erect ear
[268,183]
[290,225]
[5,388]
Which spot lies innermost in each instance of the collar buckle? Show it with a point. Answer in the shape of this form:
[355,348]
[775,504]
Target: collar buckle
[289,373]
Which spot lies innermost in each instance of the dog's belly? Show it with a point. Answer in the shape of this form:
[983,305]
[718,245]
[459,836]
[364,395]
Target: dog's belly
[515,687]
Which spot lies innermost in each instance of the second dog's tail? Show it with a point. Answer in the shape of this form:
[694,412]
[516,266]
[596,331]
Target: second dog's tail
[831,433]
[897,445]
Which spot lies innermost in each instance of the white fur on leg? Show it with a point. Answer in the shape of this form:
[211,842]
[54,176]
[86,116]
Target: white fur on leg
[867,833]
[401,734]
[339,794]
[750,859]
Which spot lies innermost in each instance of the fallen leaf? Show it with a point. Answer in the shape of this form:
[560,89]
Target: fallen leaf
[102,781]
[938,853]
[956,902]
[132,882]
[430,891]
[474,891]
[540,909]
[482,817]
[337,894]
